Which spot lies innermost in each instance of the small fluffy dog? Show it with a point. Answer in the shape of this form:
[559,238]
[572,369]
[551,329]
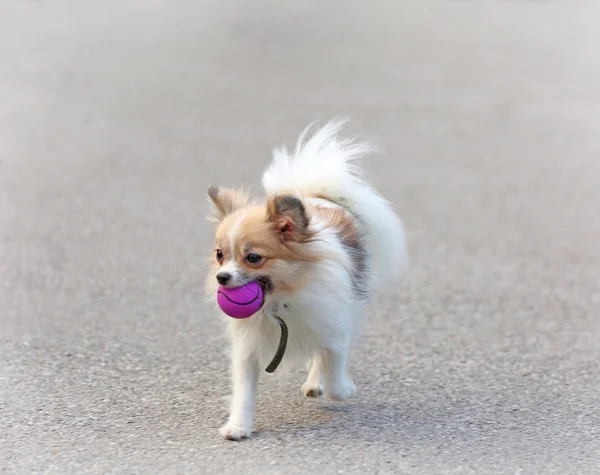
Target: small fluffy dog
[321,246]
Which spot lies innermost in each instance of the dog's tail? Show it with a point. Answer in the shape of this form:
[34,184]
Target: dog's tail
[325,165]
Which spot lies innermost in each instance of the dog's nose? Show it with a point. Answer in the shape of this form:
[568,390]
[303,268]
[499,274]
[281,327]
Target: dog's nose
[223,277]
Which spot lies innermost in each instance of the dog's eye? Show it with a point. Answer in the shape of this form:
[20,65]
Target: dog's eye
[219,255]
[253,258]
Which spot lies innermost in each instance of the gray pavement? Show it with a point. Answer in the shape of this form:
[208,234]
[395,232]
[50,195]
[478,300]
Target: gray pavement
[115,117]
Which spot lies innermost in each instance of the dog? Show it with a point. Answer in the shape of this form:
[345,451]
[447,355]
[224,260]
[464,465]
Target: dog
[321,246]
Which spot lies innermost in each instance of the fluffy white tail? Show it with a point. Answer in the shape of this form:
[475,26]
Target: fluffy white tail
[326,165]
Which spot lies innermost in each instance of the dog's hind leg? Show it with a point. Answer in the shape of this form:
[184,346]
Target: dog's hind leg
[313,386]
[338,384]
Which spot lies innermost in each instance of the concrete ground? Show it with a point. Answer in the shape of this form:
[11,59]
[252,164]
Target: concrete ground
[114,118]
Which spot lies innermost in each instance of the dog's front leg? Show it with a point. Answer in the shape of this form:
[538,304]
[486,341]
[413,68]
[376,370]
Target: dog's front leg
[245,376]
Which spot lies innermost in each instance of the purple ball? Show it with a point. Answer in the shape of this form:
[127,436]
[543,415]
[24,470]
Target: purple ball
[241,302]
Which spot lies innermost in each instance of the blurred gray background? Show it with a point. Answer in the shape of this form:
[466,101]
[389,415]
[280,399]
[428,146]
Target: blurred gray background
[116,115]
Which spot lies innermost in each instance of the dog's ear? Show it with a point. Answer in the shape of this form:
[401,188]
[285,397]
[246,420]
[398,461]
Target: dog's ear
[288,216]
[225,201]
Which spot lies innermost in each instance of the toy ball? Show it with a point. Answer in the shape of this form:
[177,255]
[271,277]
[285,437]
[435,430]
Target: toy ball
[241,302]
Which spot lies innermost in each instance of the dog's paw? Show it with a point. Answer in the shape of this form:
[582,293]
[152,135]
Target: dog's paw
[311,389]
[235,432]
[342,392]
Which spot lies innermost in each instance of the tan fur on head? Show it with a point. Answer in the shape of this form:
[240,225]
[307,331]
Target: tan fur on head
[276,231]
[256,230]
[225,201]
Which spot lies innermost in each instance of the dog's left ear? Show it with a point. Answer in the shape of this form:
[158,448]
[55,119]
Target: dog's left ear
[288,216]
[225,201]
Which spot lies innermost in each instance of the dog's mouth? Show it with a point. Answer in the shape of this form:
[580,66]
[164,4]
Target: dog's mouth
[266,283]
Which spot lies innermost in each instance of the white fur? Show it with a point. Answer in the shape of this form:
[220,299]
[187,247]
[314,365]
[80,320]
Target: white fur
[324,314]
